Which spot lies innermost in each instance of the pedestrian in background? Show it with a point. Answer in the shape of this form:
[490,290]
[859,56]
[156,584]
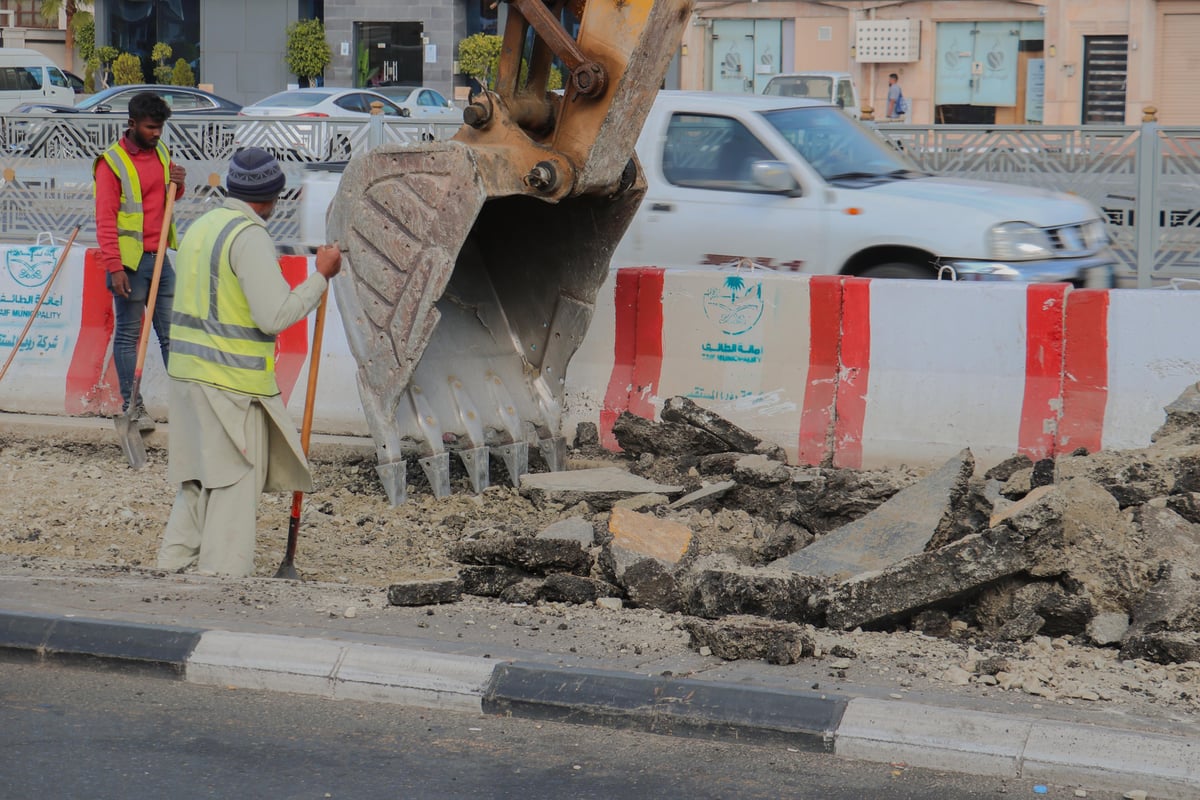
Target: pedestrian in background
[897,106]
[131,179]
[239,440]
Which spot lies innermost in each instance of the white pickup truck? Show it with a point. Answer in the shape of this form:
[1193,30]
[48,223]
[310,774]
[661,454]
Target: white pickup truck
[796,185]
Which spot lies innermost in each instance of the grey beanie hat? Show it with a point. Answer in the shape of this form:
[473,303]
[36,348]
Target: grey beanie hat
[254,175]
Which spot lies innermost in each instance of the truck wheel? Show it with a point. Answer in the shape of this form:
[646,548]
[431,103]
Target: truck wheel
[899,270]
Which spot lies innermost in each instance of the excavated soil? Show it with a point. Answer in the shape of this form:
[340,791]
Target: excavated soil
[72,504]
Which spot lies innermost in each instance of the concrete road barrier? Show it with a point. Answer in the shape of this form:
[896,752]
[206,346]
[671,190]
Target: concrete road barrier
[841,371]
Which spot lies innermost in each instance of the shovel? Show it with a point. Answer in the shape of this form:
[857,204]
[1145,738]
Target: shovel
[62,258]
[127,429]
[287,568]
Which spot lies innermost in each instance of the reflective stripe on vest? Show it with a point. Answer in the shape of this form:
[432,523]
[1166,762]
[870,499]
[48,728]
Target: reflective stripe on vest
[130,217]
[213,336]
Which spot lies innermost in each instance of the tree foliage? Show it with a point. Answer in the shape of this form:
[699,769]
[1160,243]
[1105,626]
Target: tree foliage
[308,52]
[182,74]
[50,9]
[161,53]
[479,57]
[127,69]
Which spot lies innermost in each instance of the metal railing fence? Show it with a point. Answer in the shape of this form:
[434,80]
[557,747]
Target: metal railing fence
[1133,173]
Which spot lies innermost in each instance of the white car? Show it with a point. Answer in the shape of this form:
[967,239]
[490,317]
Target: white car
[423,103]
[321,102]
[318,141]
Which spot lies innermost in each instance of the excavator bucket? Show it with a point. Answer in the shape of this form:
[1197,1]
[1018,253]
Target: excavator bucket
[471,266]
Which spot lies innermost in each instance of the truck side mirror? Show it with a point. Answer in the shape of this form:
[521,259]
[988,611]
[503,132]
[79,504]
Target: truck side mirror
[775,177]
[841,103]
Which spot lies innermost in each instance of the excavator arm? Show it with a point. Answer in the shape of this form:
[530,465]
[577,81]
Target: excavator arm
[471,266]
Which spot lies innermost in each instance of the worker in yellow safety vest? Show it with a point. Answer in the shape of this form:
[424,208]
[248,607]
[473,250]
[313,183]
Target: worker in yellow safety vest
[131,195]
[231,301]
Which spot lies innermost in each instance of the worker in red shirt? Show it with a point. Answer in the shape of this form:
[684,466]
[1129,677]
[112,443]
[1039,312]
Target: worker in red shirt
[131,194]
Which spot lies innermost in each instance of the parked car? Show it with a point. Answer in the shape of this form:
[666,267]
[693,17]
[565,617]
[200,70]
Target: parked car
[315,142]
[423,104]
[831,87]
[40,135]
[28,76]
[796,185]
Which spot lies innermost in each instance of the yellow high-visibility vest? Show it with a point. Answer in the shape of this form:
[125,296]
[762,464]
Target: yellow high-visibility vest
[130,218]
[213,337]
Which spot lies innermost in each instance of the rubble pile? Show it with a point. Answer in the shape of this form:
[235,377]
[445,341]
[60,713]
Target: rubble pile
[1102,549]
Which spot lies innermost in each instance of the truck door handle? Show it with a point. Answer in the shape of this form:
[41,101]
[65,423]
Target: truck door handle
[662,207]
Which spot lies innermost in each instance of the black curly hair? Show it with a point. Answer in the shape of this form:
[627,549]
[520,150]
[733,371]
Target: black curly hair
[148,105]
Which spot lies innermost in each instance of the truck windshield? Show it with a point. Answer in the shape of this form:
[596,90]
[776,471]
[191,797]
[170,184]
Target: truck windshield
[816,87]
[838,147]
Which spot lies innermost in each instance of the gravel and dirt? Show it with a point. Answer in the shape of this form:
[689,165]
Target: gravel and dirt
[73,508]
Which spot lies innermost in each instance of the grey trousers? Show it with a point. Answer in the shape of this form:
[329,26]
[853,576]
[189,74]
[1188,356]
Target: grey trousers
[214,529]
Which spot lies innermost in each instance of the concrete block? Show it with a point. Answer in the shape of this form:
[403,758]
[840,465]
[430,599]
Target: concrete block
[649,536]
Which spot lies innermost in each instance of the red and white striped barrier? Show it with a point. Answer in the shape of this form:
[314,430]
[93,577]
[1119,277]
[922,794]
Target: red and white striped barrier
[841,371]
[859,373]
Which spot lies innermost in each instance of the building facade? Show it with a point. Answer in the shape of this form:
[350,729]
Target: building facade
[1065,62]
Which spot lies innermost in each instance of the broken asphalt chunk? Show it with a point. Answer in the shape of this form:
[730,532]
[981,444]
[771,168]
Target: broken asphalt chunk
[424,593]
[901,527]
[637,435]
[529,553]
[740,637]
[599,488]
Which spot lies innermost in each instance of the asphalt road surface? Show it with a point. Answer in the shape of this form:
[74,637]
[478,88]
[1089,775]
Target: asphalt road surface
[71,732]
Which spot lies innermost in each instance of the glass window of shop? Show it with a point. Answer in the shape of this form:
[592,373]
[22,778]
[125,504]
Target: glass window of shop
[135,26]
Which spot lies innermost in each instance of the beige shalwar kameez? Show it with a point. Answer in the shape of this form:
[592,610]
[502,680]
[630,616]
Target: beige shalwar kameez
[227,448]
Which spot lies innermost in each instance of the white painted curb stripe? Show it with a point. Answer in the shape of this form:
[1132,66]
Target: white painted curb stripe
[984,743]
[341,671]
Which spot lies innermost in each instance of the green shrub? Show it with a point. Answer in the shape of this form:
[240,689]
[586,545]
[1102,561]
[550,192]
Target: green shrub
[127,69]
[479,57]
[85,36]
[308,52]
[182,74]
[89,73]
[161,53]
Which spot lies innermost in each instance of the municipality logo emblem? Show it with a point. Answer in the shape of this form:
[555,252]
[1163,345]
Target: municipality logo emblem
[735,306]
[31,266]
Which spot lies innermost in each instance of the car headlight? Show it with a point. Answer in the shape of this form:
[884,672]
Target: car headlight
[1018,241]
[1095,234]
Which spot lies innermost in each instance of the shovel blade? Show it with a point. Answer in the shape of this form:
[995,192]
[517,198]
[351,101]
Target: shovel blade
[130,439]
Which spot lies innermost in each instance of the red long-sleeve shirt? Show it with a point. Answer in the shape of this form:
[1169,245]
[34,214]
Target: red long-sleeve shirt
[108,200]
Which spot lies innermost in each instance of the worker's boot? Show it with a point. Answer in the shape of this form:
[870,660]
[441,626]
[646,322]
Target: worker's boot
[145,422]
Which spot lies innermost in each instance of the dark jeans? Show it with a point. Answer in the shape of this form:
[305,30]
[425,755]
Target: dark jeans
[132,310]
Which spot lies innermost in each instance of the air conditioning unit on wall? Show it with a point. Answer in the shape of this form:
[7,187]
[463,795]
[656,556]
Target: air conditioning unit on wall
[887,40]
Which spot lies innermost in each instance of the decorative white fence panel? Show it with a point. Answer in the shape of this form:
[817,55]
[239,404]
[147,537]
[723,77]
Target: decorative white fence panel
[1133,173]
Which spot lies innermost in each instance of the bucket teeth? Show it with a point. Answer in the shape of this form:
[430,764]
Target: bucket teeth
[437,470]
[554,450]
[476,462]
[516,460]
[394,477]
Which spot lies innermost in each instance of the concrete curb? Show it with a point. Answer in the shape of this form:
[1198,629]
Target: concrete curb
[975,742]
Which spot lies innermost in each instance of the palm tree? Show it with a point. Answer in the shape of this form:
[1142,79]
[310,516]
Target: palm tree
[52,8]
